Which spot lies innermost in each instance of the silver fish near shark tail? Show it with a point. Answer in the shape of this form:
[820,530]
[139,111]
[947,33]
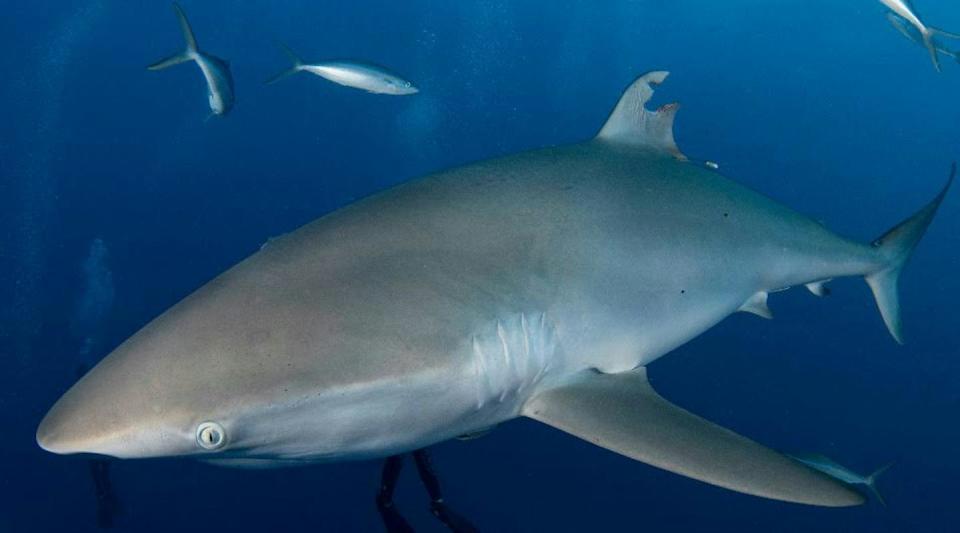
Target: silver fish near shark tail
[362,76]
[911,33]
[837,471]
[918,32]
[216,71]
[539,284]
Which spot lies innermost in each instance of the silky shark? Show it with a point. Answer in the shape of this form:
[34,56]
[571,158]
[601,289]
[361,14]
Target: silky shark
[925,34]
[216,71]
[536,285]
[361,76]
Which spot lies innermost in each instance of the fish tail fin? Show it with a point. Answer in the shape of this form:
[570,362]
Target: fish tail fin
[296,64]
[931,47]
[294,58]
[871,483]
[943,33]
[894,248]
[937,32]
[191,51]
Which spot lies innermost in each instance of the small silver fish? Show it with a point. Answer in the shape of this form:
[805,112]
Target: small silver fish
[216,71]
[350,74]
[911,33]
[837,471]
[925,33]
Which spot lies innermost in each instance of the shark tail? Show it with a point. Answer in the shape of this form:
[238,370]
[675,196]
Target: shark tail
[191,51]
[895,247]
[296,64]
[871,483]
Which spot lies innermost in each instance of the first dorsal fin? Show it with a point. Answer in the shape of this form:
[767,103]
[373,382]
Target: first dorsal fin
[633,124]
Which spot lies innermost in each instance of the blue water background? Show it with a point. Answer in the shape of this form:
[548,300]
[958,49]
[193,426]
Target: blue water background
[818,103]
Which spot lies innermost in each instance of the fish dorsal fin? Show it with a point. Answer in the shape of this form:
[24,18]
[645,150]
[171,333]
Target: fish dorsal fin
[632,123]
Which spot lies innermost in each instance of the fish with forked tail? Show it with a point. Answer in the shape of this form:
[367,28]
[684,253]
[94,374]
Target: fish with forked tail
[911,33]
[216,71]
[361,76]
[833,469]
[921,33]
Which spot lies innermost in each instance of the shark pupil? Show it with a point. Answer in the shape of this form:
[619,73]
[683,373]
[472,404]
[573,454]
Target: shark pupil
[210,435]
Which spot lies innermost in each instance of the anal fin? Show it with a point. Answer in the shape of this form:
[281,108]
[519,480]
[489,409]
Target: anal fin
[757,304]
[819,288]
[622,413]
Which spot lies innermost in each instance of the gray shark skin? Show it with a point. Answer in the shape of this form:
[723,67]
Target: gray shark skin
[216,71]
[539,284]
[366,77]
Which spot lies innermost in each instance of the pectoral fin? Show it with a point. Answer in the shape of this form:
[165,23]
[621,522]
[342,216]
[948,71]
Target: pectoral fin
[622,413]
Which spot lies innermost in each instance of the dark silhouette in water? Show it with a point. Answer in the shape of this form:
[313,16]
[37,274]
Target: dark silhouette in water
[108,507]
[392,519]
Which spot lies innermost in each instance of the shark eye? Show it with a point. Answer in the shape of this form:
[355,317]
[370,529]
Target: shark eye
[210,435]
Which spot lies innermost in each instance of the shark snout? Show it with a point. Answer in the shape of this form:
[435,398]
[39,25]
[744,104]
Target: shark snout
[106,415]
[59,433]
[73,426]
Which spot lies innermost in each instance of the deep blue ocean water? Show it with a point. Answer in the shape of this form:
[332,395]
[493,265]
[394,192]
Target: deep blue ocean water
[818,103]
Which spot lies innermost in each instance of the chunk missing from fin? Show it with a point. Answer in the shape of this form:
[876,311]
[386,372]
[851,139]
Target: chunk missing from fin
[633,124]
[622,413]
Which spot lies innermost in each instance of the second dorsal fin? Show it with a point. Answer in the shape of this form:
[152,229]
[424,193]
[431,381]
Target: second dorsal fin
[633,124]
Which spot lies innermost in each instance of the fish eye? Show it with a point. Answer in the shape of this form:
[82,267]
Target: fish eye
[210,435]
[406,84]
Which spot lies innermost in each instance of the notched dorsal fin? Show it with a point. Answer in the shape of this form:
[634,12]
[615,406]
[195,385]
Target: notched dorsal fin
[632,123]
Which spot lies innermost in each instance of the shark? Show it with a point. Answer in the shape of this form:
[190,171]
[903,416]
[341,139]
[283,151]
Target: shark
[540,284]
[216,71]
[366,77]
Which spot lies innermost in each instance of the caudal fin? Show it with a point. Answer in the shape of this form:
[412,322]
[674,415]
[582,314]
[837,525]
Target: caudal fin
[191,51]
[871,483]
[296,64]
[942,33]
[895,248]
[931,48]
[944,50]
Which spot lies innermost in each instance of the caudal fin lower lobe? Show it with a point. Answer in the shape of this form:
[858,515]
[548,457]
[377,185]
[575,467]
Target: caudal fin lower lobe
[895,248]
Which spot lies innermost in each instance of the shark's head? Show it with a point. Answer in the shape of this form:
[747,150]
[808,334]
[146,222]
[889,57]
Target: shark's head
[205,378]
[134,404]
